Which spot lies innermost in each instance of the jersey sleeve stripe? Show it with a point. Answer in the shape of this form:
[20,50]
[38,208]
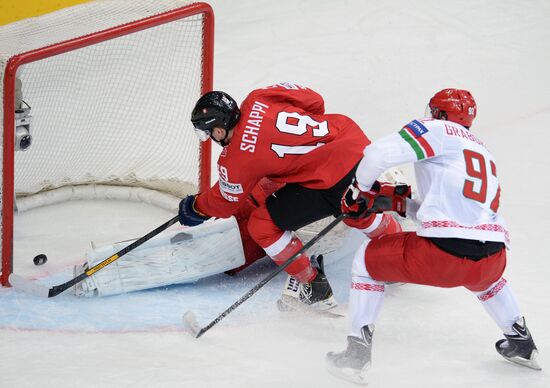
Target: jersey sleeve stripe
[429,150]
[414,144]
[421,141]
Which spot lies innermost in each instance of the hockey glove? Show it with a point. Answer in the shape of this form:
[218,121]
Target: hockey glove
[352,204]
[381,197]
[188,215]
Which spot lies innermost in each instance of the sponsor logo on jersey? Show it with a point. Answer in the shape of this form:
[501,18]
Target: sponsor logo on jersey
[228,197]
[417,128]
[232,188]
[226,187]
[413,133]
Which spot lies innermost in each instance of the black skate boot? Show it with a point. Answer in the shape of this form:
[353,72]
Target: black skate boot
[520,347]
[315,295]
[353,363]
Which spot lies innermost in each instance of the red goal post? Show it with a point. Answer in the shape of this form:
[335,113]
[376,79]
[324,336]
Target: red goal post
[110,86]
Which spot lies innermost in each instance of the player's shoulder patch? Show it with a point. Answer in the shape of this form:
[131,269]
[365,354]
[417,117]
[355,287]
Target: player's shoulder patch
[416,128]
[413,133]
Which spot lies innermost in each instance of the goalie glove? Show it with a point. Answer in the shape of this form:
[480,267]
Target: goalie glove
[381,197]
[188,214]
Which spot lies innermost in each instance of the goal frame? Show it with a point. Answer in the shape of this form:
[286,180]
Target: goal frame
[9,87]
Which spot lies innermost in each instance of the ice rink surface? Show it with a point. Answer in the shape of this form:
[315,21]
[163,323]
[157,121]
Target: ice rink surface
[379,63]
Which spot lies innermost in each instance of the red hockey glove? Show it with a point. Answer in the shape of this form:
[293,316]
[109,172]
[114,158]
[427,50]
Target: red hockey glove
[381,197]
[352,204]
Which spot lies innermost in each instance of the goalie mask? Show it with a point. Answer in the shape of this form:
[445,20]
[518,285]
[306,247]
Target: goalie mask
[214,109]
[454,105]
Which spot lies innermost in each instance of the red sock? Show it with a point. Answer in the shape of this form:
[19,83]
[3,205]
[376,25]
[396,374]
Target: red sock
[300,268]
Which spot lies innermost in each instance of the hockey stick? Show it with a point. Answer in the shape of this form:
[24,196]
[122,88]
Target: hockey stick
[189,318]
[28,286]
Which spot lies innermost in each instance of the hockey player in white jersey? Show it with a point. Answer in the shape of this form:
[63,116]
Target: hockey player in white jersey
[461,239]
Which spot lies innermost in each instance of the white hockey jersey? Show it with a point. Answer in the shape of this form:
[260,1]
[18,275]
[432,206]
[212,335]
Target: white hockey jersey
[457,185]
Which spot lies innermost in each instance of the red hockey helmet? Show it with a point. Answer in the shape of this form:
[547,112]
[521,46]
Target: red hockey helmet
[454,105]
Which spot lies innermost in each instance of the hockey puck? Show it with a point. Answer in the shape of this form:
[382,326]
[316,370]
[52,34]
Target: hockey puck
[40,259]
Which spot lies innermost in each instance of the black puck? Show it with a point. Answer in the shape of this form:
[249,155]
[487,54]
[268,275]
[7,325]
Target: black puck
[40,259]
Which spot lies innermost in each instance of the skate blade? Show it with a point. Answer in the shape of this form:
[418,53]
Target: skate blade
[324,305]
[531,363]
[352,375]
[290,304]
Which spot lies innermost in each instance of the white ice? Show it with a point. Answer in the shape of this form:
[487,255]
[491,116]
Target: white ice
[378,62]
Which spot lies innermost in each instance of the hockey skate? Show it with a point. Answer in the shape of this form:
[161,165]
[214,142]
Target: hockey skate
[353,363]
[519,348]
[315,296]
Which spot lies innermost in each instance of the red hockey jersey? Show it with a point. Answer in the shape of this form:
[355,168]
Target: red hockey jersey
[283,134]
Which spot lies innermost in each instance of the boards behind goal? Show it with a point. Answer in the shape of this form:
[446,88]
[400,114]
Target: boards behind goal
[100,94]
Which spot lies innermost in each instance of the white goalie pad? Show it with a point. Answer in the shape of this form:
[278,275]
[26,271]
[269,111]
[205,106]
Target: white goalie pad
[177,256]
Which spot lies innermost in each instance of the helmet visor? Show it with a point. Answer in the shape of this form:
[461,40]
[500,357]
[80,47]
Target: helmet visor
[428,111]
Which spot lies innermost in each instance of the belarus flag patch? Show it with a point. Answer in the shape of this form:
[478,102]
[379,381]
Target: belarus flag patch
[413,133]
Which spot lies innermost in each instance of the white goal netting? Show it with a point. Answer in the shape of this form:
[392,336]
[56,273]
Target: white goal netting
[114,111]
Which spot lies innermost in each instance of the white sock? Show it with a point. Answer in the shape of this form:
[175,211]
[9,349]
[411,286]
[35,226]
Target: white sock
[499,301]
[366,295]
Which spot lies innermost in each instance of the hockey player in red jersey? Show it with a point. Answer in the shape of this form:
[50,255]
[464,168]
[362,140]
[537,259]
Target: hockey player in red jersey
[460,240]
[283,134]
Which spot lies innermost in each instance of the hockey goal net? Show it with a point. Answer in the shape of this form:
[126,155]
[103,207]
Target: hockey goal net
[105,89]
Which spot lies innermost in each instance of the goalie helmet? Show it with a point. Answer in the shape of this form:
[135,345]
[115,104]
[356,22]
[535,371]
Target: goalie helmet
[214,109]
[454,105]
